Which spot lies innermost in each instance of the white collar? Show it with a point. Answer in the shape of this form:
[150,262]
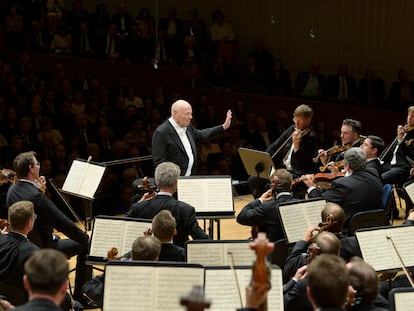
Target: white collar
[177,128]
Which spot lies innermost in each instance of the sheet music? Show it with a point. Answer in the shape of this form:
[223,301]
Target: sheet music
[221,288]
[208,194]
[83,178]
[378,251]
[296,218]
[410,191]
[404,301]
[108,233]
[216,253]
[148,288]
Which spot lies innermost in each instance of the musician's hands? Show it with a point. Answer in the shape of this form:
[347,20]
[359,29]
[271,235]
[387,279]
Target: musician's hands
[147,196]
[301,273]
[267,196]
[332,167]
[89,233]
[400,132]
[411,215]
[227,123]
[323,156]
[296,139]
[256,295]
[148,232]
[308,180]
[309,234]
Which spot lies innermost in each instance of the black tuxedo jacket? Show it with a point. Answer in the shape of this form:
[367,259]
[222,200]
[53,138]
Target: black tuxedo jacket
[167,146]
[39,304]
[301,160]
[362,191]
[334,86]
[266,216]
[14,250]
[48,216]
[171,252]
[183,213]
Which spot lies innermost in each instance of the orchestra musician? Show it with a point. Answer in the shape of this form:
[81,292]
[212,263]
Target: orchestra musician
[166,177]
[373,147]
[350,136]
[398,168]
[263,212]
[293,150]
[360,190]
[49,217]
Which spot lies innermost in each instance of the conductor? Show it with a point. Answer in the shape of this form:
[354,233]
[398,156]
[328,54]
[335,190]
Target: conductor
[176,139]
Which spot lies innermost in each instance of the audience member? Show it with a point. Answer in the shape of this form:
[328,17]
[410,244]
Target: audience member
[342,86]
[371,90]
[402,92]
[311,84]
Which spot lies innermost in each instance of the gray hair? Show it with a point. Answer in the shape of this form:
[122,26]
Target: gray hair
[356,158]
[166,174]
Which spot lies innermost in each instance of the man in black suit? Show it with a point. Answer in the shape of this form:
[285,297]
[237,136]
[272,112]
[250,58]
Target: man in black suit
[46,280]
[396,163]
[176,139]
[311,84]
[294,149]
[360,189]
[350,131]
[164,228]
[49,217]
[373,147]
[166,176]
[342,86]
[15,248]
[263,212]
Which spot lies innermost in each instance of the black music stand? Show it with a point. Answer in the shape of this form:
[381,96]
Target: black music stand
[257,163]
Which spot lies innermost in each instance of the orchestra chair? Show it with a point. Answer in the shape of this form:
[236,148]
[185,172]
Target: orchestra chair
[389,201]
[17,296]
[368,219]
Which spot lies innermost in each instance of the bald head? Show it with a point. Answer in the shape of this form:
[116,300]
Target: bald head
[338,216]
[182,112]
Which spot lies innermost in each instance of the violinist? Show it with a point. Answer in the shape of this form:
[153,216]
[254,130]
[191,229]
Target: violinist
[397,166]
[373,147]
[49,217]
[263,212]
[360,190]
[293,150]
[350,137]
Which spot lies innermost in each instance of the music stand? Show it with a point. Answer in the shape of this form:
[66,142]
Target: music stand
[257,163]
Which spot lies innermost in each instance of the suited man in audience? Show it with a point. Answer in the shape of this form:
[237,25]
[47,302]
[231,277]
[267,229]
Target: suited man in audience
[166,178]
[164,228]
[176,139]
[359,190]
[49,217]
[263,212]
[342,86]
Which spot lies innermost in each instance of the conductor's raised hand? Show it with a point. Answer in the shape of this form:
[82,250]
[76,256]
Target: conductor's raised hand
[227,123]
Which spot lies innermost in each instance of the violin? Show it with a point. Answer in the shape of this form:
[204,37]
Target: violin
[7,176]
[3,224]
[261,267]
[321,177]
[339,165]
[146,186]
[332,151]
[113,254]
